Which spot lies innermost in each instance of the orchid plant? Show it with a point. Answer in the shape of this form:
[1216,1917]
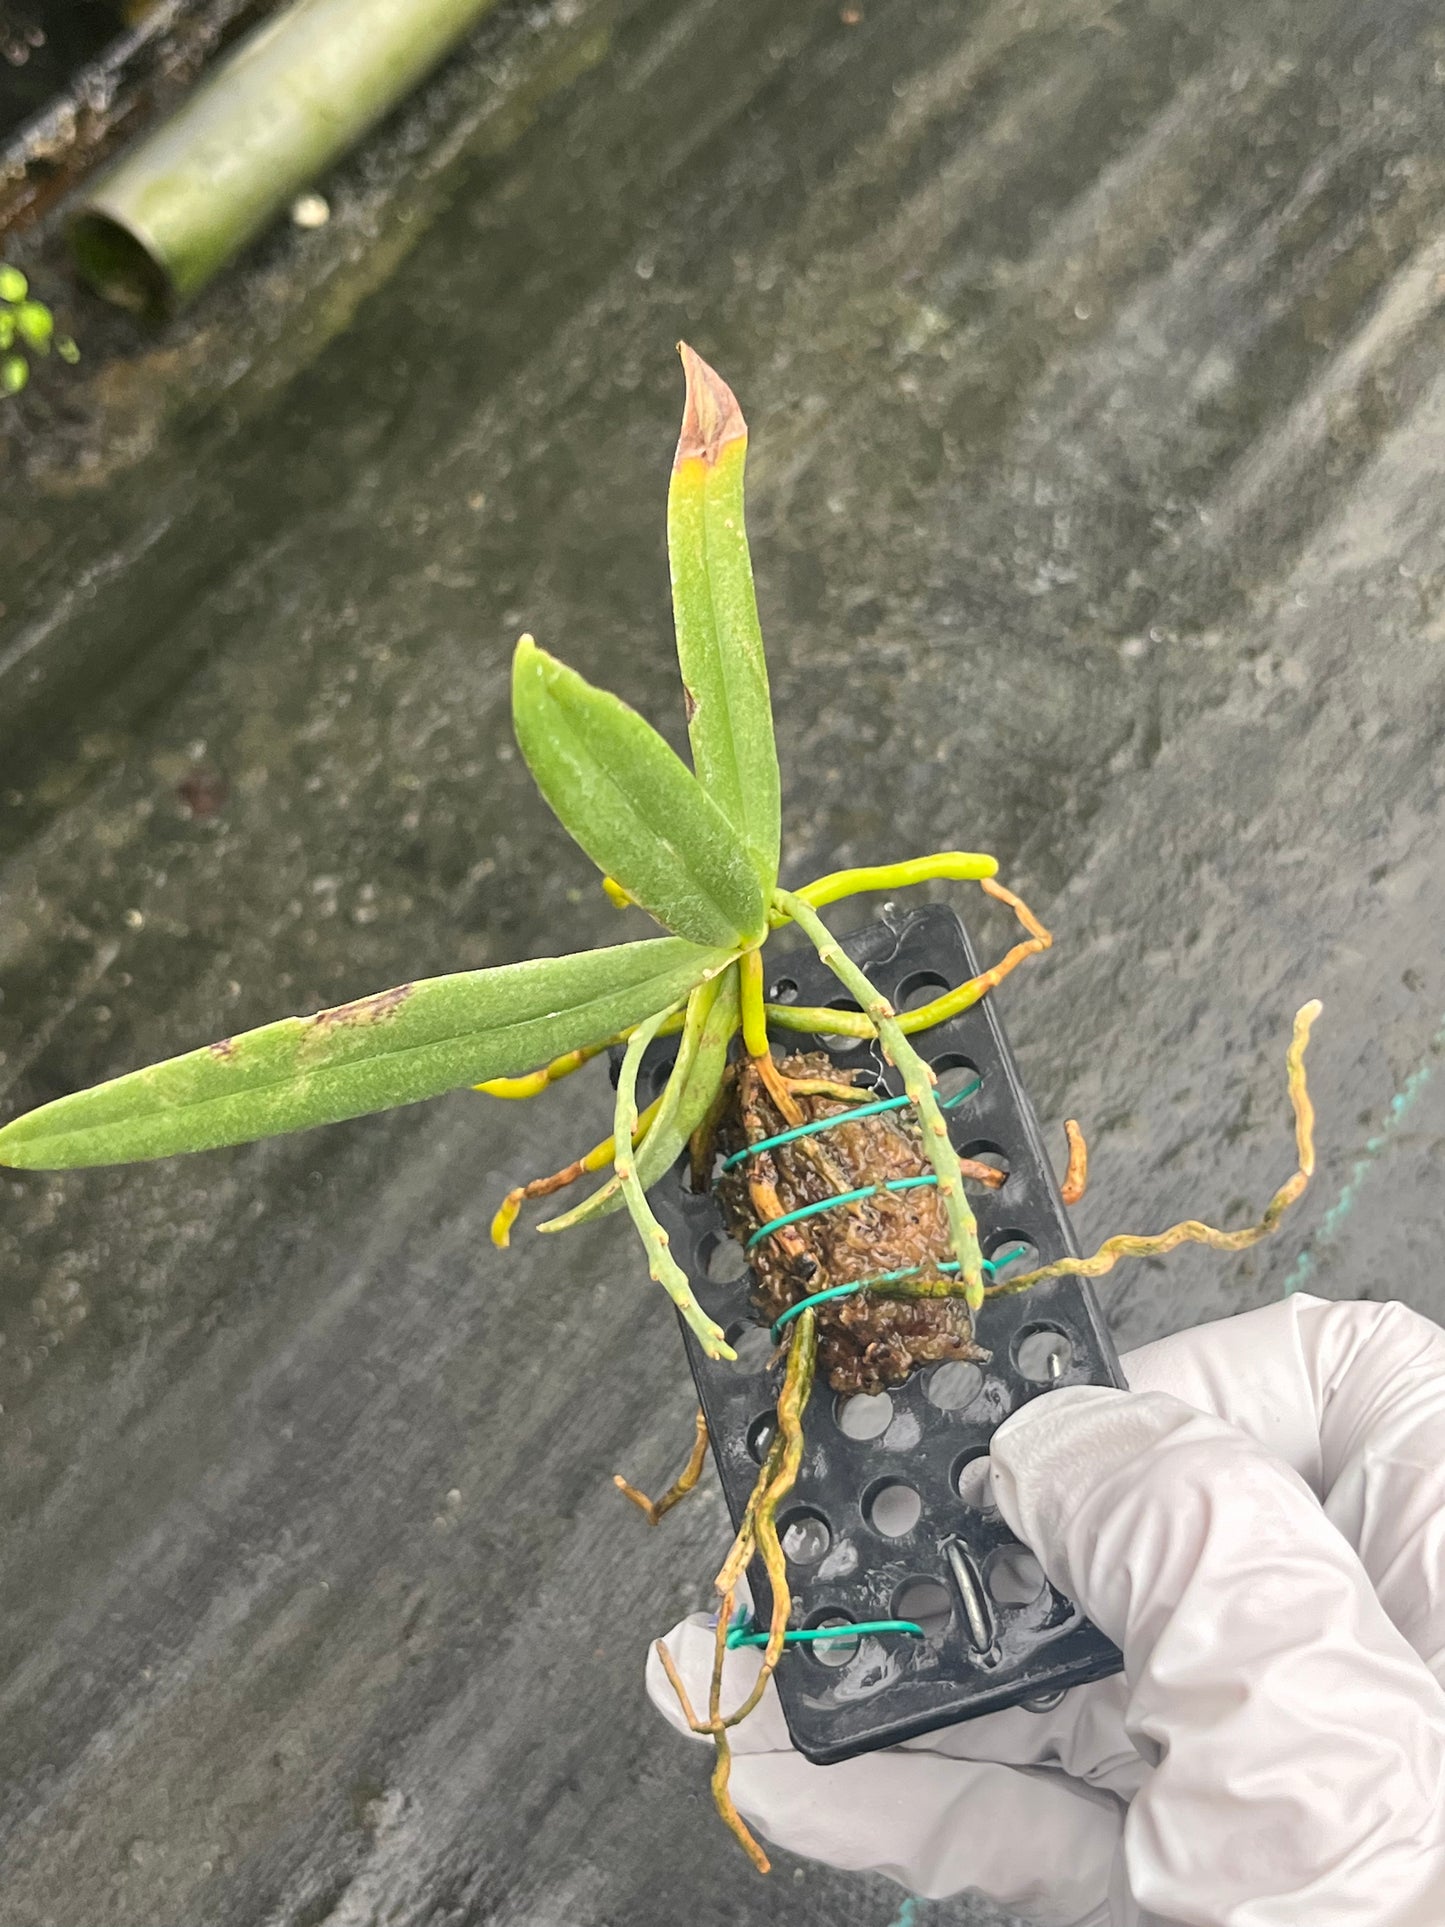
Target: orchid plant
[698,849]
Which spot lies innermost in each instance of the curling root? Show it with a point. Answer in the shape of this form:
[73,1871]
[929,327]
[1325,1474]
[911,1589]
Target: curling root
[655,1509]
[757,1533]
[1192,1231]
[597,1159]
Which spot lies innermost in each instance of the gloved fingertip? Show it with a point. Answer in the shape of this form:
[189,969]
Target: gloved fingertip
[691,1645]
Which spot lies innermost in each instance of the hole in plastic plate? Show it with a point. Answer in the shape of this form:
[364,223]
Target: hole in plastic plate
[753,1345]
[832,1653]
[1011,1254]
[867,1415]
[1013,1576]
[1043,1354]
[918,988]
[804,1536]
[984,1151]
[720,1258]
[954,1386]
[847,1050]
[892,1508]
[973,1480]
[955,1073]
[927,1603]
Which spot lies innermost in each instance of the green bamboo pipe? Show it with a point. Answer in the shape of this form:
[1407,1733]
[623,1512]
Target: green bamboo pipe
[273,116]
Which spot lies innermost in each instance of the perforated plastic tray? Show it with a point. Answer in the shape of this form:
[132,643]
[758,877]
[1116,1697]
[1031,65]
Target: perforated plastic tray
[997,1634]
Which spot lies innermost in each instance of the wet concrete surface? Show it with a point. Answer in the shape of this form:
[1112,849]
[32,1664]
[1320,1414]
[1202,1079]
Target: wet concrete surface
[1093,357]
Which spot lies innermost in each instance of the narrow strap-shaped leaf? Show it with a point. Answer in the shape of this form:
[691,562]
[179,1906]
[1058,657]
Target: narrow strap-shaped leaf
[401,1045]
[633,804]
[719,640]
[696,1073]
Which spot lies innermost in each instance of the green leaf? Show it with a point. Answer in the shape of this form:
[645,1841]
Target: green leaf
[415,1041]
[13,285]
[14,373]
[633,804]
[719,641]
[697,1071]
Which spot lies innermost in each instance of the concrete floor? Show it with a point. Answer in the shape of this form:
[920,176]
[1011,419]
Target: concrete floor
[1093,356]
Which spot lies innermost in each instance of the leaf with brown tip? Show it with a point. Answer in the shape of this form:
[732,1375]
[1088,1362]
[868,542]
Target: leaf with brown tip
[715,612]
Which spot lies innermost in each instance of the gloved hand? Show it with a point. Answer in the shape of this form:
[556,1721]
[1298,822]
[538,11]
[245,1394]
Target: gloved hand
[1260,1526]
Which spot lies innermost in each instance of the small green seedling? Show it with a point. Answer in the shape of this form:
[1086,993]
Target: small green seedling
[27,329]
[698,850]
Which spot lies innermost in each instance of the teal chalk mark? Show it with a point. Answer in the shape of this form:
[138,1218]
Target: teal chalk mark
[907,1915]
[1397,1111]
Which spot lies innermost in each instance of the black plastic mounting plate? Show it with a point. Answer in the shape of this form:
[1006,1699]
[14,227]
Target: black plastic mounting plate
[890,1517]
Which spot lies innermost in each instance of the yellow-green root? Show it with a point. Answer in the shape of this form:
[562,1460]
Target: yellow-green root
[918,1081]
[597,1159]
[532,1083]
[662,1141]
[755,1036]
[850,1023]
[944,866]
[758,1533]
[755,1017]
[1192,1231]
[660,1261]
[655,1509]
[824,1087]
[792,1401]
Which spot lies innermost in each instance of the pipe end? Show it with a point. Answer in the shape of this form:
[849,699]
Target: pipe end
[117,264]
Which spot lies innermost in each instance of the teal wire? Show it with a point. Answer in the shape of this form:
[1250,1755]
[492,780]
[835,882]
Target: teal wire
[739,1635]
[833,1291]
[841,1117]
[990,1265]
[843,1197]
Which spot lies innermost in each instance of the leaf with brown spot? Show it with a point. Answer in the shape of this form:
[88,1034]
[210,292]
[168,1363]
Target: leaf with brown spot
[366,1010]
[397,1047]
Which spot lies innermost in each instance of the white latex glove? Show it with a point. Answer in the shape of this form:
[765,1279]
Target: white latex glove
[1260,1526]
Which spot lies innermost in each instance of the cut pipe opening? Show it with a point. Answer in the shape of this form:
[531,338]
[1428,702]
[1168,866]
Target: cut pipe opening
[118,264]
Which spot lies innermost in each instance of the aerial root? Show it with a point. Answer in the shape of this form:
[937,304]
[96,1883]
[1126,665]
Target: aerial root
[823,1087]
[763,1196]
[1192,1231]
[530,1083]
[953,1002]
[758,1533]
[778,1089]
[983,1173]
[847,1023]
[597,1159]
[1076,1174]
[654,1509]
[918,1082]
